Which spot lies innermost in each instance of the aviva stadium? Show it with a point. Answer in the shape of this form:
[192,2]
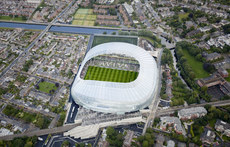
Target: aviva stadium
[116,78]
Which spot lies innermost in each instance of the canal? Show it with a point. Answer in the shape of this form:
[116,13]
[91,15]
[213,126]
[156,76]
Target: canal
[60,29]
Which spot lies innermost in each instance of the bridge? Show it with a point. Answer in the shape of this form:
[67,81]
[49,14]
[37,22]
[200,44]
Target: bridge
[42,132]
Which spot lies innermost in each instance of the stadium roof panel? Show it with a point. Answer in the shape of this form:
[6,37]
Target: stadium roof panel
[114,97]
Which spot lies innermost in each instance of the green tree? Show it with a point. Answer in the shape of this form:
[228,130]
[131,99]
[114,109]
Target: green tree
[145,143]
[28,144]
[65,143]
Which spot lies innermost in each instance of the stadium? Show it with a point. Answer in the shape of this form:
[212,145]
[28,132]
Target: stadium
[115,78]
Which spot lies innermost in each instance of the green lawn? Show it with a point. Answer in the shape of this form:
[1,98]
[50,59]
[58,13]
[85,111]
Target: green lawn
[104,39]
[12,19]
[228,78]
[111,75]
[184,15]
[46,86]
[196,65]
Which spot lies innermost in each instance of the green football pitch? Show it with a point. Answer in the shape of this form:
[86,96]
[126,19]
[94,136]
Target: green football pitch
[104,39]
[111,75]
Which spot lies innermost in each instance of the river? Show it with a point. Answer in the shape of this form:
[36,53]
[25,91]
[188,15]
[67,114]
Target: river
[60,29]
[174,64]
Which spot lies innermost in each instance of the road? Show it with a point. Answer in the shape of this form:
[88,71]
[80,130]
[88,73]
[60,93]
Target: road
[156,98]
[171,110]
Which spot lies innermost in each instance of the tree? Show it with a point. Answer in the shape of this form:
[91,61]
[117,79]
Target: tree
[145,143]
[65,143]
[24,18]
[40,122]
[113,137]
[209,67]
[57,84]
[28,144]
[37,87]
[226,29]
[112,11]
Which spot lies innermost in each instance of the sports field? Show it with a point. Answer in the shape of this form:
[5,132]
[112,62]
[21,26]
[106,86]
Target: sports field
[84,17]
[111,75]
[104,39]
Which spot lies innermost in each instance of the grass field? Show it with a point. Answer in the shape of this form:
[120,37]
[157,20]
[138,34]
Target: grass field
[12,19]
[111,75]
[46,86]
[104,39]
[196,66]
[84,17]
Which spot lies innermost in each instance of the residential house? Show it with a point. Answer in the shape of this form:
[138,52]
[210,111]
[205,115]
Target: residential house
[191,113]
[223,127]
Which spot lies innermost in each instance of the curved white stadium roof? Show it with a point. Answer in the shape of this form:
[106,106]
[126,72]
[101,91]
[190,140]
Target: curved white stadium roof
[114,97]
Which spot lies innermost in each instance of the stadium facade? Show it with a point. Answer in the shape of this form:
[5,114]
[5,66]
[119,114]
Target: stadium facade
[116,97]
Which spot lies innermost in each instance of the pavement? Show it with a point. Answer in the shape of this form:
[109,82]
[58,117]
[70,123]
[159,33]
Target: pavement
[156,98]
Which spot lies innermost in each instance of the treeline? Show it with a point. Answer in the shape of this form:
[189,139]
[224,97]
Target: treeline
[37,119]
[185,69]
[167,58]
[179,90]
[19,142]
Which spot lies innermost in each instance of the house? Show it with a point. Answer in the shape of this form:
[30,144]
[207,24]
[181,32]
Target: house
[205,29]
[128,8]
[190,24]
[4,132]
[170,143]
[223,127]
[202,20]
[192,113]
[208,136]
[212,56]
[192,33]
[213,80]
[173,122]
[223,72]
